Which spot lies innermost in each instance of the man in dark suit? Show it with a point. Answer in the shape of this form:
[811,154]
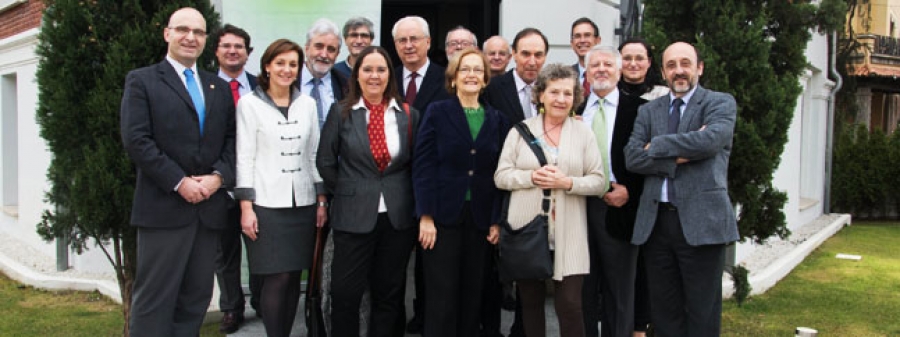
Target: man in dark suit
[177,127]
[511,93]
[232,49]
[421,82]
[611,215]
[585,35]
[318,78]
[681,143]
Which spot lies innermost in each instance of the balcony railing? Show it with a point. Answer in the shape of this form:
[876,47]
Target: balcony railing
[886,45]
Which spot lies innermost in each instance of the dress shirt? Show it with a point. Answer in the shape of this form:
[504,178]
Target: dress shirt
[420,76]
[664,192]
[179,69]
[326,94]
[520,90]
[610,107]
[391,135]
[244,83]
[581,72]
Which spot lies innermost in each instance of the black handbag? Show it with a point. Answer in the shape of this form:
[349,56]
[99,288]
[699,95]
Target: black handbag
[525,252]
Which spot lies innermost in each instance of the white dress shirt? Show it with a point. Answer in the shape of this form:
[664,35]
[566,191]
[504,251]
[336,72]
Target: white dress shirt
[391,135]
[610,108]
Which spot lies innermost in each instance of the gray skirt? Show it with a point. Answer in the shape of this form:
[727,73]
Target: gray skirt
[285,240]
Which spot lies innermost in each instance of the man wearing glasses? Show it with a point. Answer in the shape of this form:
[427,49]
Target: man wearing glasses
[177,126]
[459,38]
[232,49]
[421,82]
[585,35]
[359,34]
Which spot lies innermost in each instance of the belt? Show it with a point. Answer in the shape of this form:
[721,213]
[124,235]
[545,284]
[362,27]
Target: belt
[667,207]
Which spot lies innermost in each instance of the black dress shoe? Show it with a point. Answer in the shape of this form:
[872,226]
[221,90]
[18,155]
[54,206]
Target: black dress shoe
[231,322]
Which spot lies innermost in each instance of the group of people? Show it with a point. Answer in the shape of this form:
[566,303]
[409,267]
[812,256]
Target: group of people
[418,155]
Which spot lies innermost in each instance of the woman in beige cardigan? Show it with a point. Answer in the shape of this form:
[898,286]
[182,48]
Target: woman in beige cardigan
[574,170]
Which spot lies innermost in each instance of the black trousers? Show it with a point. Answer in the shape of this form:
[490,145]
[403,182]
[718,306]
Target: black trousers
[228,268]
[174,280]
[376,260]
[454,277]
[685,281]
[613,268]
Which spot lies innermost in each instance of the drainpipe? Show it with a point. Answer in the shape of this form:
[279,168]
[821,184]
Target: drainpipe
[62,249]
[829,135]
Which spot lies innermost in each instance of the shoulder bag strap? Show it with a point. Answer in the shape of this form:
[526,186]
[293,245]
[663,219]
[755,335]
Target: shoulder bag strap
[539,153]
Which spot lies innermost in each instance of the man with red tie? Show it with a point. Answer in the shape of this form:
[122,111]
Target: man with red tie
[585,35]
[232,49]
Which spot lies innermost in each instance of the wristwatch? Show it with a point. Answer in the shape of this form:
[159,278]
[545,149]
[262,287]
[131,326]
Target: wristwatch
[322,204]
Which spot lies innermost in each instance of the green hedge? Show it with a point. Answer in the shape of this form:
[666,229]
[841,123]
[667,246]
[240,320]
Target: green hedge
[866,180]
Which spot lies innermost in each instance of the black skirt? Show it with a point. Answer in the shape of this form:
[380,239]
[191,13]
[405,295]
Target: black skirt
[285,240]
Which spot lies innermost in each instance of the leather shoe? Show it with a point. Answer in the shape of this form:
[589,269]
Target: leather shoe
[231,322]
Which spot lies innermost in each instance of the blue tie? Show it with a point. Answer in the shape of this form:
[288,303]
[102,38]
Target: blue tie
[320,111]
[674,120]
[194,90]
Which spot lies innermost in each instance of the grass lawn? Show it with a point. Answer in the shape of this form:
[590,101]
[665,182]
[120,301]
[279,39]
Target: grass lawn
[26,311]
[836,297]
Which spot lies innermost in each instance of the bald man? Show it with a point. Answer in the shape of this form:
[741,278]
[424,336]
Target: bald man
[681,143]
[177,126]
[496,49]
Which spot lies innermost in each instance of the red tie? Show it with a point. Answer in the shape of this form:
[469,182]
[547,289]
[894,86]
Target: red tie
[586,86]
[411,89]
[234,91]
[377,141]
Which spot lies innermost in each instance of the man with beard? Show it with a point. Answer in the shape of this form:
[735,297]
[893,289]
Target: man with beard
[358,33]
[681,142]
[496,49]
[318,78]
[611,114]
[232,49]
[585,35]
[511,93]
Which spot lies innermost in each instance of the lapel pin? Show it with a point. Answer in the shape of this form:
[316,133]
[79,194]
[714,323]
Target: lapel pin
[212,86]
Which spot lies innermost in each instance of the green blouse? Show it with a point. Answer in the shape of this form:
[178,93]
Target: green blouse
[475,117]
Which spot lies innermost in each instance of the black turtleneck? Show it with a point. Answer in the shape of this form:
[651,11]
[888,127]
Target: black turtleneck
[632,89]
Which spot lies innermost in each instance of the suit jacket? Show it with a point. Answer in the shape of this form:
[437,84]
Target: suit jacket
[619,221]
[431,90]
[348,169]
[700,187]
[501,93]
[252,80]
[448,163]
[160,132]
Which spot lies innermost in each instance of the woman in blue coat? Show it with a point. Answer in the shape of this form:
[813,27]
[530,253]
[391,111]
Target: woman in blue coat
[457,150]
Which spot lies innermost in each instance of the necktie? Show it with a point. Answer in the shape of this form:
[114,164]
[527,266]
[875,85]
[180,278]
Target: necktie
[526,101]
[315,95]
[411,89]
[600,132]
[587,88]
[194,90]
[674,120]
[377,141]
[234,90]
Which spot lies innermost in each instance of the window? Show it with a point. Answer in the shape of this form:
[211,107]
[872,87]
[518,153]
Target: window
[9,147]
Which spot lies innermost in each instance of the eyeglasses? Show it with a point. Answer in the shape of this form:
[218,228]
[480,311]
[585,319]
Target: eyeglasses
[579,36]
[411,39]
[459,43]
[355,35]
[476,71]
[236,46]
[184,30]
[635,59]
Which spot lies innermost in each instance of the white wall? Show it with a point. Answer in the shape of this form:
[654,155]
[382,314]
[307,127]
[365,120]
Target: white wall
[19,59]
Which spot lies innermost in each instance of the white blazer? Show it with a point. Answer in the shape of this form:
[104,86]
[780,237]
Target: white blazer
[276,155]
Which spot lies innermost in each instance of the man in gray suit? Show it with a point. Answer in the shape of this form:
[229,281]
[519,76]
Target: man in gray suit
[681,143]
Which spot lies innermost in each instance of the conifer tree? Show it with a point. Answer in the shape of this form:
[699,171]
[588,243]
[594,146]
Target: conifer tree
[754,50]
[86,47]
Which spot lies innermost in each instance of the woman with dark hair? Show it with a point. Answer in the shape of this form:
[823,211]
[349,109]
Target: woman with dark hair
[281,194]
[637,80]
[457,149]
[574,170]
[364,158]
